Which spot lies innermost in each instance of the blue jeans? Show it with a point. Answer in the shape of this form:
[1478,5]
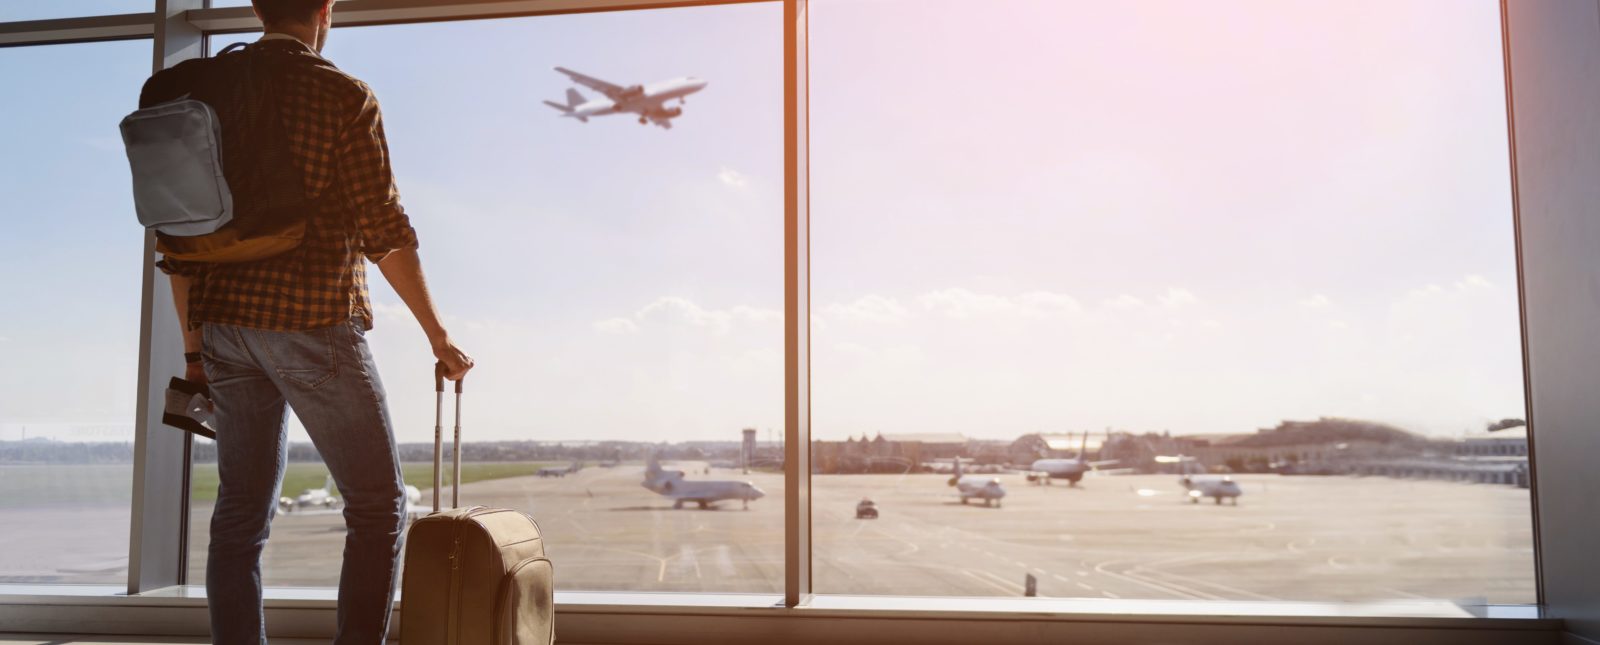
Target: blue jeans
[328,376]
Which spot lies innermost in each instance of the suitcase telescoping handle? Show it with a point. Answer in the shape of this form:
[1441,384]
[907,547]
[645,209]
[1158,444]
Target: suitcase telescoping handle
[438,440]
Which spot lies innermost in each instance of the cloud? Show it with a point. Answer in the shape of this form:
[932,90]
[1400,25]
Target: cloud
[390,312]
[965,304]
[1316,301]
[733,178]
[1047,303]
[618,326]
[1176,297]
[682,311]
[1473,282]
[1469,287]
[871,308]
[1123,301]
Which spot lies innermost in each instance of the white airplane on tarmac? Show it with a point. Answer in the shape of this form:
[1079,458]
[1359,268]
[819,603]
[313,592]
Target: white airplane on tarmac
[981,487]
[1073,469]
[1198,485]
[320,498]
[671,484]
[560,471]
[647,101]
[323,499]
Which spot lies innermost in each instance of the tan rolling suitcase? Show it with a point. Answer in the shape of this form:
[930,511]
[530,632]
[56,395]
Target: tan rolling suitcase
[473,575]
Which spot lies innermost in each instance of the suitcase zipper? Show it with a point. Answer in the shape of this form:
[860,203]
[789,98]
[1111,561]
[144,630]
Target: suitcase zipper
[453,620]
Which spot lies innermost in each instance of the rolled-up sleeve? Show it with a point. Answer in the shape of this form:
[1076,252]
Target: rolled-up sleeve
[368,184]
[172,266]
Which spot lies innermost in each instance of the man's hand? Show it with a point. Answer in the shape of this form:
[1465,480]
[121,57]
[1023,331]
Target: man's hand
[456,362]
[195,373]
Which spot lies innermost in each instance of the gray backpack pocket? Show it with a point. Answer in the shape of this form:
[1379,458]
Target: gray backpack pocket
[175,151]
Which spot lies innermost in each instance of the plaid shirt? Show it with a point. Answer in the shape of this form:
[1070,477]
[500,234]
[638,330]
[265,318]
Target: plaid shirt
[336,133]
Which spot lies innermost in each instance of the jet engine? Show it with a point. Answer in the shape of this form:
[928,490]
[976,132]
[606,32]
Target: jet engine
[670,112]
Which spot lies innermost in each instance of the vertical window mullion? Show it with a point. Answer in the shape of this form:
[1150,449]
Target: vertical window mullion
[797,313]
[159,527]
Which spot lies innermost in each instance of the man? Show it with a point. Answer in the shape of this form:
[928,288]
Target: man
[290,330]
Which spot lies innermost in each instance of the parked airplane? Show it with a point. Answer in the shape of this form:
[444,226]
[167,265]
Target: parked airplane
[560,471]
[648,101]
[981,487]
[670,483]
[414,508]
[322,498]
[1073,469]
[1199,485]
[1213,486]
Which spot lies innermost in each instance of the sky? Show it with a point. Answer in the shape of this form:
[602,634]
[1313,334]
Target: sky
[1027,215]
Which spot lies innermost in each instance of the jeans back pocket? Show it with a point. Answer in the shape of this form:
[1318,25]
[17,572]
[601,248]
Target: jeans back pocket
[306,358]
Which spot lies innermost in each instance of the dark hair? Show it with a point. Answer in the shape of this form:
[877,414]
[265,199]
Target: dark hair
[280,11]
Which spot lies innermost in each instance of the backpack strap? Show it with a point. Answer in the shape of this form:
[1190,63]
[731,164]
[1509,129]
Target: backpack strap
[232,47]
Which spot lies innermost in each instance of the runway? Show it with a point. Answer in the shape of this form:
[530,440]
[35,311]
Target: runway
[1290,538]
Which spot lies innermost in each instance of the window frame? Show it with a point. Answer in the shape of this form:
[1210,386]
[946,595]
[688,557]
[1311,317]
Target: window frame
[156,581]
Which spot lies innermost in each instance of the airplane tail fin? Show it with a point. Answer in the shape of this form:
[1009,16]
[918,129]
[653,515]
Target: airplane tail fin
[574,99]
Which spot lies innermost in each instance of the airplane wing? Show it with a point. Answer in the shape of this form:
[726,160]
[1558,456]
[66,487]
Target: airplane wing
[592,83]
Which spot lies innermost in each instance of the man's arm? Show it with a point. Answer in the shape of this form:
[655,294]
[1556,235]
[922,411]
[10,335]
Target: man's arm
[387,238]
[193,372]
[403,269]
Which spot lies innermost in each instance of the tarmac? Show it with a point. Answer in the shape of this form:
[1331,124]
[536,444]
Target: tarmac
[1134,536]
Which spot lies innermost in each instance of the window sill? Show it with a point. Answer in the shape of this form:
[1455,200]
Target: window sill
[646,618]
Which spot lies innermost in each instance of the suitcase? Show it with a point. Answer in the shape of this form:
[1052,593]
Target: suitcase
[473,575]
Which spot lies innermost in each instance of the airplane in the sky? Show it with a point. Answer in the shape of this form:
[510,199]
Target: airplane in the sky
[647,101]
[981,487]
[1198,485]
[671,484]
[1073,469]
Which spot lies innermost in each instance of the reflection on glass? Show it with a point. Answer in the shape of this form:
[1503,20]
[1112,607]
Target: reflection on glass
[1169,301]
[620,285]
[70,323]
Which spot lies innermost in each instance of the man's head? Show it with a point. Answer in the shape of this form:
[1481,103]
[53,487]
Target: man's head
[308,20]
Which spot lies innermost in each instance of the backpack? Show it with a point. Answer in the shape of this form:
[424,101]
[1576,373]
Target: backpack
[213,175]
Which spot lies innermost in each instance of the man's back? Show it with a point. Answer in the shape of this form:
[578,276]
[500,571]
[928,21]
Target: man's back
[334,132]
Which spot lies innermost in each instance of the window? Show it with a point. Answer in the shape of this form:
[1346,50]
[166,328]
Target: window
[1051,239]
[619,283]
[70,328]
[12,11]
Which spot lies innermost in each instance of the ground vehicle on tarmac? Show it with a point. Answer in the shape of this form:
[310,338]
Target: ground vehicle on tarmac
[866,510]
